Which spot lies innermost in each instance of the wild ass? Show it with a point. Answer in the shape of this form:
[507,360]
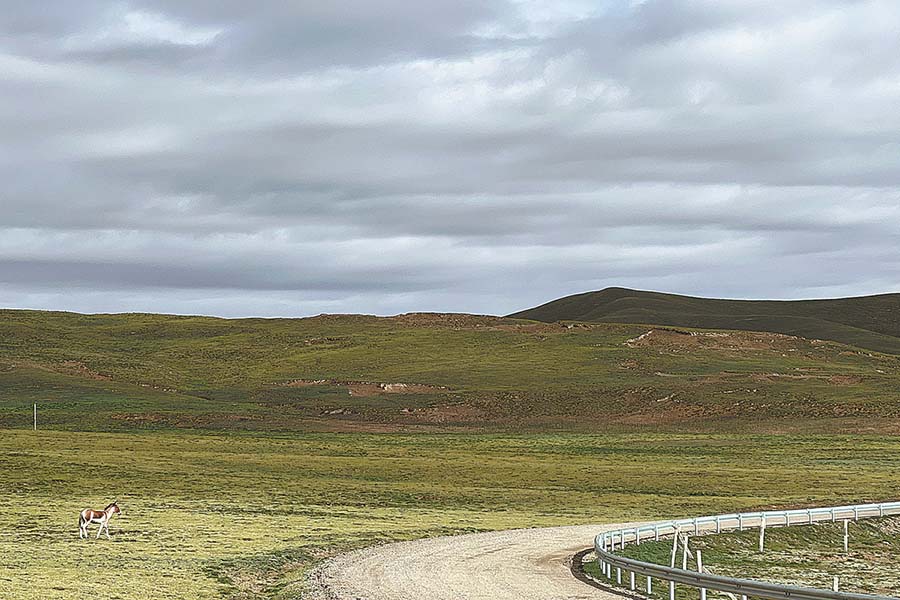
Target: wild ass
[89,516]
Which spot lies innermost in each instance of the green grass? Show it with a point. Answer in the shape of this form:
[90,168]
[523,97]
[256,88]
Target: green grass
[799,555]
[126,372]
[245,514]
[231,488]
[871,322]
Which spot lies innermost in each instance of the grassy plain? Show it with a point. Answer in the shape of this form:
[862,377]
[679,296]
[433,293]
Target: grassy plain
[243,515]
[243,451]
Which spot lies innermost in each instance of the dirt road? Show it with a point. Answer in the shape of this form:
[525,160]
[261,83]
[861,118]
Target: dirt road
[520,564]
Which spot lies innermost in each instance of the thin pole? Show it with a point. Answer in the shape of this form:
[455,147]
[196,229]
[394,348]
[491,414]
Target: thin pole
[846,537]
[700,570]
[762,535]
[674,554]
[674,549]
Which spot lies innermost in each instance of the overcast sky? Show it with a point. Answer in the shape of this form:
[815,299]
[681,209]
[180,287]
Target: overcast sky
[272,158]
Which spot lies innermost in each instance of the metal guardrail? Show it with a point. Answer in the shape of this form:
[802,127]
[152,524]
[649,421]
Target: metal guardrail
[606,543]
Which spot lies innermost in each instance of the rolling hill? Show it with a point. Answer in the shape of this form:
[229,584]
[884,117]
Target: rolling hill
[418,372]
[871,322]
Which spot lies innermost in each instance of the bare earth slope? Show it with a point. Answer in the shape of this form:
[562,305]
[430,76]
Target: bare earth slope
[519,564]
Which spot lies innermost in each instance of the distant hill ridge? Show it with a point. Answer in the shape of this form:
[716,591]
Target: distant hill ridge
[871,322]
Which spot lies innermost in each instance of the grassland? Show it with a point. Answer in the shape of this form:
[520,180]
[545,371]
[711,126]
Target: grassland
[798,555]
[871,322]
[244,515]
[127,372]
[243,451]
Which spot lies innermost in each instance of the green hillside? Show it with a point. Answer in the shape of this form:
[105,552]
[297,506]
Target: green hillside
[871,322]
[430,372]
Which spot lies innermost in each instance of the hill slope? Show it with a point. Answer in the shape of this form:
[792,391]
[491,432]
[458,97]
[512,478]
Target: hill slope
[427,371]
[871,322]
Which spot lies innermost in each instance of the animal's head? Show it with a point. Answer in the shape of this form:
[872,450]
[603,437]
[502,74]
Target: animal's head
[114,508]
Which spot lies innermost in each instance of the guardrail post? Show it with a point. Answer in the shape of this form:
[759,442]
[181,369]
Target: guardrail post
[740,521]
[846,536]
[603,548]
[656,533]
[674,549]
[700,570]
[881,510]
[637,536]
[632,581]
[836,584]
[619,575]
[672,590]
[856,513]
[832,516]
[809,514]
[762,534]
[696,526]
[718,524]
[649,585]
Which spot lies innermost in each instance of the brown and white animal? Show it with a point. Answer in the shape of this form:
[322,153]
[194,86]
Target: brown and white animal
[89,516]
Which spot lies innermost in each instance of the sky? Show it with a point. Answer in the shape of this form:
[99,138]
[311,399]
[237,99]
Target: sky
[274,158]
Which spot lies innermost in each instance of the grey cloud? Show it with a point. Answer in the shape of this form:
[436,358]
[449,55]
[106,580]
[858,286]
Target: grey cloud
[289,158]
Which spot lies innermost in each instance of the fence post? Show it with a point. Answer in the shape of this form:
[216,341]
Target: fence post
[674,549]
[632,581]
[619,575]
[700,570]
[672,590]
[603,548]
[649,585]
[846,536]
[762,535]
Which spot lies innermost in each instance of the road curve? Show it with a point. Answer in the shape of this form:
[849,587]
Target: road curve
[518,564]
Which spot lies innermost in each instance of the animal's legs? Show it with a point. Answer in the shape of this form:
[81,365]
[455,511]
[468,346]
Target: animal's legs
[107,530]
[99,531]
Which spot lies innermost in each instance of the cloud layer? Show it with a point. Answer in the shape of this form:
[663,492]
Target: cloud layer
[272,158]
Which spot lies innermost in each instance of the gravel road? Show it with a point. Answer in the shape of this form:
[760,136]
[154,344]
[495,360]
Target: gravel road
[519,564]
